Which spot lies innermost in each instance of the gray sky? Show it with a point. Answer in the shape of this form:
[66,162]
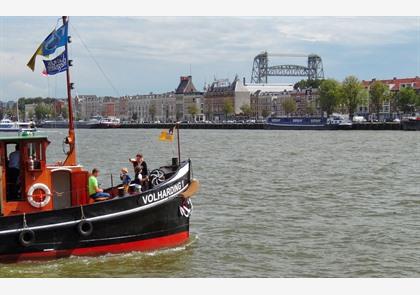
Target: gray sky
[148,54]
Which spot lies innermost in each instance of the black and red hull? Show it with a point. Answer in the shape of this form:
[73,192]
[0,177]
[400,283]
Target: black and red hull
[138,222]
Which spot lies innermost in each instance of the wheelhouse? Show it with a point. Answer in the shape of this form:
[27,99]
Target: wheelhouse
[28,184]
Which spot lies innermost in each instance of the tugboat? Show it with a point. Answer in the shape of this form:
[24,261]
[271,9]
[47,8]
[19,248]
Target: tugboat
[46,211]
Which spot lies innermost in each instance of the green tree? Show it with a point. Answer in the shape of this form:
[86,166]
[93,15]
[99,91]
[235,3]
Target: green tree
[53,113]
[9,113]
[310,83]
[43,111]
[228,108]
[152,111]
[406,99]
[21,107]
[246,109]
[65,112]
[31,115]
[311,107]
[418,101]
[265,113]
[289,106]
[378,94]
[329,95]
[353,94]
[193,110]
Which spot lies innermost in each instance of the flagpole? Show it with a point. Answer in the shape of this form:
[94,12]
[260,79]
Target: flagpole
[71,123]
[179,146]
[71,139]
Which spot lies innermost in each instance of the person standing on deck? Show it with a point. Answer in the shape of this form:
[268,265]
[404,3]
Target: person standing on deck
[138,178]
[140,162]
[95,192]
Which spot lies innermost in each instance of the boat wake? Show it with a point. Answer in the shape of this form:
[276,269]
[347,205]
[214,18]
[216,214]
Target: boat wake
[138,255]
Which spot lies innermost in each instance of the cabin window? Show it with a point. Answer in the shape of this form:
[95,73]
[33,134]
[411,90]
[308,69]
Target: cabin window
[34,154]
[13,172]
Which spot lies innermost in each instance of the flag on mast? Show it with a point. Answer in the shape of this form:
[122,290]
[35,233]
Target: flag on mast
[167,135]
[56,65]
[55,39]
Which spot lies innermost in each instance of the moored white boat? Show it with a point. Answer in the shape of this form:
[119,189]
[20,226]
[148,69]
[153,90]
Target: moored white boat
[7,125]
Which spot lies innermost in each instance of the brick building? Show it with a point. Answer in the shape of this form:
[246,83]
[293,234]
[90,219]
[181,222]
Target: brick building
[389,109]
[222,91]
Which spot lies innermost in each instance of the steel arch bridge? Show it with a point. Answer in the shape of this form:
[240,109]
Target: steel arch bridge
[261,71]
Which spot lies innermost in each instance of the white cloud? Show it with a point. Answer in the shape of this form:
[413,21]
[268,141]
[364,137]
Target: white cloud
[24,89]
[207,39]
[211,39]
[351,31]
[205,42]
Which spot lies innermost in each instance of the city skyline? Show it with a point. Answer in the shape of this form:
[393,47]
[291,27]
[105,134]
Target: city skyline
[148,54]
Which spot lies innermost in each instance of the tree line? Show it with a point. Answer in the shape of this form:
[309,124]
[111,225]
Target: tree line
[346,96]
[44,109]
[350,93]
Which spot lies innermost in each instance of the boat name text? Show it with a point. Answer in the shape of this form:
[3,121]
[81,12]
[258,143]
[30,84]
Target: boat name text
[163,194]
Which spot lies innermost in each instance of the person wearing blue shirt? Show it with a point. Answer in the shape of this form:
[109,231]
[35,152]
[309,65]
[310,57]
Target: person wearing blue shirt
[125,178]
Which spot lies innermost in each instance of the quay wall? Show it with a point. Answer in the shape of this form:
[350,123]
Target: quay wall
[356,126]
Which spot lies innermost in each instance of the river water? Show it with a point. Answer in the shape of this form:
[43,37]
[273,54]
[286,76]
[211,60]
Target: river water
[271,204]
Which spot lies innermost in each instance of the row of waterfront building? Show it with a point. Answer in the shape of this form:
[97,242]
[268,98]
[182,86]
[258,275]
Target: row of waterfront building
[187,103]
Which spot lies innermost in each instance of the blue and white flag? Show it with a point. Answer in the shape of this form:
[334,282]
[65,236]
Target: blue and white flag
[56,39]
[56,65]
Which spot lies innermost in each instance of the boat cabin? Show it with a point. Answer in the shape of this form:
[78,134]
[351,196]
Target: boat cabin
[28,184]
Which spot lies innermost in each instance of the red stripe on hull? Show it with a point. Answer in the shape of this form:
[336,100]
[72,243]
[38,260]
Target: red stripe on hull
[143,245]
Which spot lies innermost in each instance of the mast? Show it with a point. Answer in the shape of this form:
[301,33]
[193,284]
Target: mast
[179,146]
[71,159]
[17,110]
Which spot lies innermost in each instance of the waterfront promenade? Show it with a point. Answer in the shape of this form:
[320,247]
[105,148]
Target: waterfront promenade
[405,125]
[361,126]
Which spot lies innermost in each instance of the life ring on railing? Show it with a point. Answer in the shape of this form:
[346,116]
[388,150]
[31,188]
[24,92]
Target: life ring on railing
[46,195]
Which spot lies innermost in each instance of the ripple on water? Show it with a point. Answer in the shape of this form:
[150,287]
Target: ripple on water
[271,204]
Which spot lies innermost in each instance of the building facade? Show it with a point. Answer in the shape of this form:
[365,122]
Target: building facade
[217,96]
[264,99]
[88,106]
[389,108]
[152,108]
[189,101]
[396,84]
[270,101]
